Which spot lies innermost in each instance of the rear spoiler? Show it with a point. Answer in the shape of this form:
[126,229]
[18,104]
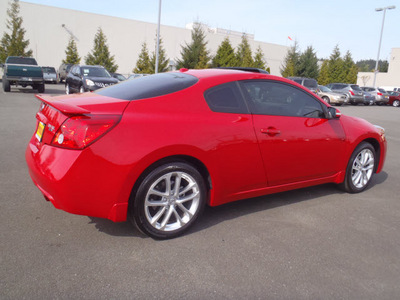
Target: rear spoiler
[62,106]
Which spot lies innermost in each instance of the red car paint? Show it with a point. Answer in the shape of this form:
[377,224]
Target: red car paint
[244,154]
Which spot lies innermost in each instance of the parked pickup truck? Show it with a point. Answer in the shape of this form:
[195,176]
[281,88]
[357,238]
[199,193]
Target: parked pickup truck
[22,71]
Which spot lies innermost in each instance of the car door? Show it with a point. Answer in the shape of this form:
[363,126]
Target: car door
[297,142]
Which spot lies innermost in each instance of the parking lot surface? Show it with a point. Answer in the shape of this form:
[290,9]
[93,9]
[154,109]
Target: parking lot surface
[313,243]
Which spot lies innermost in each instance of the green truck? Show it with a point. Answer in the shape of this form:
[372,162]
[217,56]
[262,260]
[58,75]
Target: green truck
[22,71]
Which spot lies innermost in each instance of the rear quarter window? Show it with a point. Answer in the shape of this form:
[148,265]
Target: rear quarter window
[149,86]
[225,98]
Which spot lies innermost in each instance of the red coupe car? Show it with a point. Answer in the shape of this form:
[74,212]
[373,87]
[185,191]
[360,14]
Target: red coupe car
[157,149]
[394,99]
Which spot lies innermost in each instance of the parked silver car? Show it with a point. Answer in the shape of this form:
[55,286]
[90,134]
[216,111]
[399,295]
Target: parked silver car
[50,75]
[309,83]
[330,96]
[369,99]
[381,96]
[353,92]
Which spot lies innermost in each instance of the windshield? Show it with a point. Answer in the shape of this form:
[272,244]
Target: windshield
[382,91]
[49,70]
[310,83]
[22,61]
[324,89]
[355,87]
[94,72]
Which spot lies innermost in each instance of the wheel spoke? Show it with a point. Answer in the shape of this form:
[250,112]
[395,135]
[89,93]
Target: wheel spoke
[188,197]
[187,188]
[158,193]
[166,218]
[185,210]
[178,178]
[157,216]
[156,203]
[178,217]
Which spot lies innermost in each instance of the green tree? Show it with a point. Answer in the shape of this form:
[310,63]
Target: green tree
[14,43]
[196,52]
[308,64]
[259,59]
[243,54]
[291,62]
[163,61]
[336,66]
[143,63]
[100,54]
[72,56]
[324,77]
[225,56]
[350,69]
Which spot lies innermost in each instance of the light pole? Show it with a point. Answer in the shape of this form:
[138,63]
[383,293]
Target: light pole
[158,36]
[380,39]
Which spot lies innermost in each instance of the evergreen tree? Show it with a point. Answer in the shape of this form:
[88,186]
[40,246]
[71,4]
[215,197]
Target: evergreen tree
[350,69]
[243,54]
[291,63]
[336,66]
[196,51]
[72,56]
[324,77]
[14,44]
[308,64]
[225,56]
[100,54]
[143,63]
[163,61]
[259,60]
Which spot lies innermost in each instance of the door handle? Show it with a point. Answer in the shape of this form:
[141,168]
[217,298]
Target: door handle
[271,131]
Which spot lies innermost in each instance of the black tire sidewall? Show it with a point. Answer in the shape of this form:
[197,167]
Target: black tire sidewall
[137,210]
[349,186]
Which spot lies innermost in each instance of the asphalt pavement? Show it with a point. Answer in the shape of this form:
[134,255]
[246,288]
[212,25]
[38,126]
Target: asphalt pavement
[313,243]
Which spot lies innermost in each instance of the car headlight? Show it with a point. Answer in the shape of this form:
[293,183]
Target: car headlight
[89,82]
[381,131]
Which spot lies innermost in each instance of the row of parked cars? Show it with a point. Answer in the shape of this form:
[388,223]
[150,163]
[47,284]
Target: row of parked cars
[345,93]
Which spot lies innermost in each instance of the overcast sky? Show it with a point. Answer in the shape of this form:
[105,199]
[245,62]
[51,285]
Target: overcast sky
[353,24]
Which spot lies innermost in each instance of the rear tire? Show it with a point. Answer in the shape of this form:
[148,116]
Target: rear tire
[6,85]
[326,99]
[41,88]
[67,89]
[168,201]
[360,168]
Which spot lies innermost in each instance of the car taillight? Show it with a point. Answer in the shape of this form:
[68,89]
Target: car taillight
[379,94]
[79,132]
[351,92]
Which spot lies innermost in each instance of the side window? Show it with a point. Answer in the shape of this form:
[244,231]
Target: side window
[280,99]
[225,98]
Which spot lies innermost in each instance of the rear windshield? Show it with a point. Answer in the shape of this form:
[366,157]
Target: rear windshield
[310,83]
[355,87]
[49,70]
[149,86]
[22,61]
[382,90]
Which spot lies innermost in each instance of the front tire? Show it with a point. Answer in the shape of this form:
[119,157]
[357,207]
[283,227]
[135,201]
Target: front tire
[81,89]
[41,88]
[396,103]
[168,200]
[67,89]
[326,99]
[360,168]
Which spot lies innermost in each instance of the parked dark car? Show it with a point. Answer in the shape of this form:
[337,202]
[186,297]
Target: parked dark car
[82,79]
[353,92]
[22,71]
[50,75]
[309,83]
[63,71]
[118,76]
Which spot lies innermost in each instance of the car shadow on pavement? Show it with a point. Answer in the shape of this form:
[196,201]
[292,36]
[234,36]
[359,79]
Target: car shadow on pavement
[215,215]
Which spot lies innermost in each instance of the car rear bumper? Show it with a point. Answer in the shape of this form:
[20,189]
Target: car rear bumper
[77,182]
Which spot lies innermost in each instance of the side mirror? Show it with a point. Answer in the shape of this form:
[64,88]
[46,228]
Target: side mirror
[333,113]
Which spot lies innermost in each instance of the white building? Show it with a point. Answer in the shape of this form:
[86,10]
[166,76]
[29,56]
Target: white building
[49,29]
[389,79]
